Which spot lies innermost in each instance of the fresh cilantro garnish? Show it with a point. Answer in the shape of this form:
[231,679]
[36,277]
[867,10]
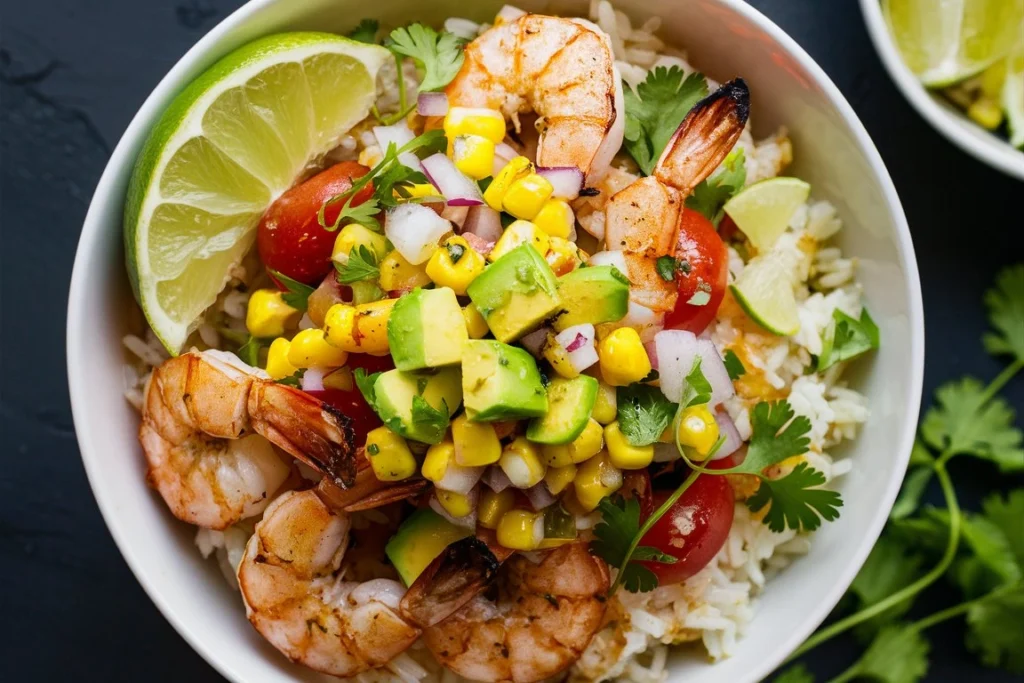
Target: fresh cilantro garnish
[364,214]
[795,500]
[614,539]
[372,449]
[994,628]
[294,380]
[666,267]
[711,194]
[365,31]
[733,365]
[847,338]
[770,444]
[644,413]
[455,251]
[365,384]
[440,55]
[435,420]
[655,110]
[298,293]
[1005,305]
[249,352]
[698,389]
[361,265]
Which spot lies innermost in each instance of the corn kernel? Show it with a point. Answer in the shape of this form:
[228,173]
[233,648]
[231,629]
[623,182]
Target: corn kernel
[556,218]
[588,444]
[473,155]
[558,479]
[623,358]
[398,275]
[309,349]
[487,123]
[521,462]
[475,323]
[521,530]
[516,234]
[595,480]
[455,504]
[623,454]
[606,407]
[389,455]
[359,329]
[476,443]
[278,366]
[986,113]
[992,80]
[340,379]
[268,315]
[492,507]
[698,430]
[438,458]
[421,190]
[562,256]
[455,264]
[558,357]
[517,168]
[525,197]
[355,235]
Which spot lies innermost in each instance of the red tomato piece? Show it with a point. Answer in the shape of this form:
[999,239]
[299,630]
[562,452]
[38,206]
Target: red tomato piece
[291,240]
[704,270]
[352,405]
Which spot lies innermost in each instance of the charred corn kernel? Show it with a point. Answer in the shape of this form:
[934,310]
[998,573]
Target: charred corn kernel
[492,506]
[556,218]
[562,256]
[522,464]
[397,274]
[473,155]
[353,236]
[521,530]
[606,407]
[340,379]
[455,504]
[476,443]
[389,455]
[992,79]
[455,264]
[268,315]
[698,430]
[623,359]
[436,462]
[420,190]
[475,323]
[517,233]
[986,113]
[558,478]
[595,480]
[278,366]
[588,444]
[556,354]
[359,329]
[487,123]
[517,168]
[622,453]
[309,349]
[525,197]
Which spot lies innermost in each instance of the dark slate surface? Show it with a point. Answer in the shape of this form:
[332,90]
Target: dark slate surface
[72,74]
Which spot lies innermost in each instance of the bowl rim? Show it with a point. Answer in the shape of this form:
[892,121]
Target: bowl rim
[149,112]
[986,148]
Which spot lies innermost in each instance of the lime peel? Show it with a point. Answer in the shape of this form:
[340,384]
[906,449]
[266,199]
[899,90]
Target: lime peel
[763,210]
[764,291]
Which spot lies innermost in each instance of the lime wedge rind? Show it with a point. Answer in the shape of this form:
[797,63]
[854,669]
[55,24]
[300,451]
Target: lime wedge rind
[1013,97]
[763,210]
[764,291]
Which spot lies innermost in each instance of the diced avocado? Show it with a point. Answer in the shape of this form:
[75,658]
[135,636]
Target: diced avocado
[500,382]
[419,540]
[426,329]
[515,293]
[598,294]
[412,404]
[569,404]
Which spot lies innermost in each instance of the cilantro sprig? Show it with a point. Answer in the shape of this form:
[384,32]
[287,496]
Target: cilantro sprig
[361,265]
[297,294]
[711,194]
[656,108]
[613,541]
[440,55]
[365,31]
[847,337]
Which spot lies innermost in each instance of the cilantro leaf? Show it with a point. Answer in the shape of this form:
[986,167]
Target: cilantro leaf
[847,338]
[666,267]
[294,380]
[795,502]
[711,194]
[994,629]
[364,214]
[366,31]
[964,422]
[698,389]
[361,265]
[898,654]
[656,108]
[298,293]
[770,446]
[435,420]
[365,383]
[888,569]
[644,413]
[733,365]
[439,55]
[619,525]
[795,674]
[249,352]
[1005,305]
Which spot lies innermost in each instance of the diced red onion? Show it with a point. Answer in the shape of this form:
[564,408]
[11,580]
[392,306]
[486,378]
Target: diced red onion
[459,479]
[399,134]
[484,222]
[510,13]
[455,214]
[534,342]
[567,180]
[457,189]
[715,371]
[581,338]
[415,230]
[478,244]
[576,343]
[539,496]
[610,258]
[313,379]
[727,428]
[432,104]
[651,348]
[676,351]
[468,522]
[496,479]
[503,153]
[646,322]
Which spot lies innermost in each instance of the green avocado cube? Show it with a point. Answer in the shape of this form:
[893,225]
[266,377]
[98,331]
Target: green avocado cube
[418,405]
[501,382]
[419,540]
[516,293]
[426,329]
[570,402]
[598,294]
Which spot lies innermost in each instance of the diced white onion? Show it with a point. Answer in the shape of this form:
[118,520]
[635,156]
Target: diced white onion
[459,479]
[580,338]
[646,322]
[432,103]
[716,373]
[539,496]
[463,28]
[567,180]
[611,477]
[457,189]
[676,351]
[415,230]
[503,153]
[727,428]
[313,379]
[455,214]
[610,258]
[496,479]
[399,134]
[510,13]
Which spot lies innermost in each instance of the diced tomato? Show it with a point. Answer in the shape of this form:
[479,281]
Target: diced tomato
[703,274]
[353,406]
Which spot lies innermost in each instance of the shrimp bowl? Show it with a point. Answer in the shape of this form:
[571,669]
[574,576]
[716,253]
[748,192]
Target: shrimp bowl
[558,341]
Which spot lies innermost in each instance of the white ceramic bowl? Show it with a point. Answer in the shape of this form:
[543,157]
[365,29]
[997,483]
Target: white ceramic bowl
[725,38]
[936,110]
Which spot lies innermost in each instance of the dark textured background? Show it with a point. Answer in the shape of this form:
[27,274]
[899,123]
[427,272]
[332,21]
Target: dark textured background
[72,74]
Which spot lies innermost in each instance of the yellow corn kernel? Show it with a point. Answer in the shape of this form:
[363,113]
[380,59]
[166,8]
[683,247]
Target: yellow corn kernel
[517,233]
[389,455]
[355,235]
[556,218]
[268,315]
[359,329]
[517,168]
[397,274]
[992,80]
[487,123]
[493,506]
[475,323]
[476,443]
[278,366]
[986,113]
[309,349]
[435,463]
[558,479]
[521,530]
[340,379]
[421,190]
[473,155]
[455,264]
[698,430]
[562,256]
[623,359]
[623,454]
[588,444]
[559,358]
[455,504]
[525,197]
[606,407]
[595,480]
[521,462]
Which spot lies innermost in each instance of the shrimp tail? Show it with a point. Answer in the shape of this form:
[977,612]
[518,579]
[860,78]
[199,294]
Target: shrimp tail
[368,492]
[461,572]
[705,137]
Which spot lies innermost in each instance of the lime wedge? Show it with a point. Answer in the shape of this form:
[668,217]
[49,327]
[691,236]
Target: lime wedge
[1013,97]
[762,210]
[765,291]
[227,146]
[945,41]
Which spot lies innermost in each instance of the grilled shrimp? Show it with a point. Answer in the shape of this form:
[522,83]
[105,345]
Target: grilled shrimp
[642,220]
[207,418]
[561,69]
[295,595]
[538,624]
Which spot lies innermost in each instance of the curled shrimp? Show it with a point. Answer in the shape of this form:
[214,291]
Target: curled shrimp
[642,220]
[208,422]
[561,69]
[296,597]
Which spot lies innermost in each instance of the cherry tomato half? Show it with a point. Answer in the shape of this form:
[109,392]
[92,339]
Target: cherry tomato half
[291,240]
[693,530]
[704,273]
[351,403]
